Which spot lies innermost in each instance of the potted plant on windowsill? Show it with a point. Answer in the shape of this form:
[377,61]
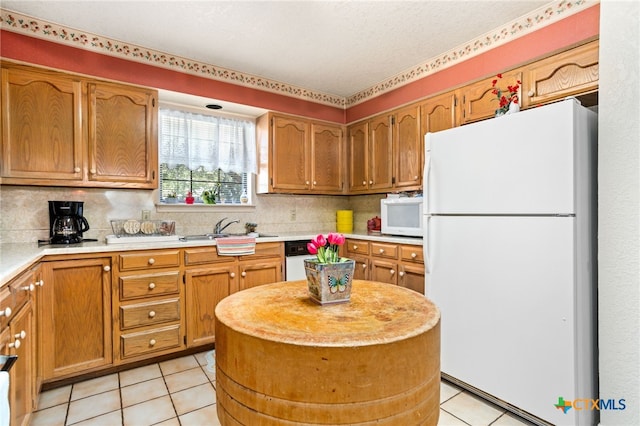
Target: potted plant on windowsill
[211,196]
[329,276]
[171,198]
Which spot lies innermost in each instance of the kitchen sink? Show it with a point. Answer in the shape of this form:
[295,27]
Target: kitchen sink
[202,237]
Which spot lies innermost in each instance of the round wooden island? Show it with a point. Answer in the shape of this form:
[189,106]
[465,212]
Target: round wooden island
[282,359]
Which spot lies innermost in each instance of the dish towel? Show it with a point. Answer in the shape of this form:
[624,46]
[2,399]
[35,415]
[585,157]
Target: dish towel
[236,246]
[4,399]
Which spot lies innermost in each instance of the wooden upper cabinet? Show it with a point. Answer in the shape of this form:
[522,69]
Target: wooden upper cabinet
[569,73]
[290,150]
[327,163]
[380,153]
[41,126]
[123,135]
[407,148]
[479,101]
[438,113]
[299,156]
[64,130]
[358,154]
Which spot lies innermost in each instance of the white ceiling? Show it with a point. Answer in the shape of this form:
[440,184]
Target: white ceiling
[335,47]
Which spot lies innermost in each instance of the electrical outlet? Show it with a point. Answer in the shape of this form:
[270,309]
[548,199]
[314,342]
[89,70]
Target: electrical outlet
[292,215]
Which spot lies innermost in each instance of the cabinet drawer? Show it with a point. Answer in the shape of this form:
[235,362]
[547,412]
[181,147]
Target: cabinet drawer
[354,247]
[157,312]
[198,256]
[266,250]
[149,259]
[158,339]
[136,286]
[412,254]
[15,295]
[389,251]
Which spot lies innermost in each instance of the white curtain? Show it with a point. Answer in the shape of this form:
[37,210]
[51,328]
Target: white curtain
[211,142]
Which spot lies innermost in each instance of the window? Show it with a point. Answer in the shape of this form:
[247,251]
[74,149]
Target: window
[200,152]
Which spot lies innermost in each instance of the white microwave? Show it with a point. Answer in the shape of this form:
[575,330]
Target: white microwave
[401,216]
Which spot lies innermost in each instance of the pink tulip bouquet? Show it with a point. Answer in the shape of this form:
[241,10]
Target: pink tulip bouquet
[326,249]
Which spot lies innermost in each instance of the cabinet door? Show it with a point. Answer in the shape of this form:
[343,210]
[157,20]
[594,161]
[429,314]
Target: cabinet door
[411,277]
[569,73]
[478,101]
[265,272]
[361,271]
[407,148]
[205,287]
[380,153]
[41,126]
[22,343]
[438,113]
[75,316]
[290,153]
[123,135]
[384,271]
[358,153]
[326,156]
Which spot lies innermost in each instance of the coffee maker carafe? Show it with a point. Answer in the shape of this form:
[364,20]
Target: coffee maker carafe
[66,222]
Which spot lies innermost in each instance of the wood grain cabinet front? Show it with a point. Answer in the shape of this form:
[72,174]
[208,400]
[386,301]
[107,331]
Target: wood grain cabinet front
[147,343]
[60,129]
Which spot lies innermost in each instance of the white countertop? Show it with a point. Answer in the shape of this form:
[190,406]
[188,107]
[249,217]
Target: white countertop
[16,257]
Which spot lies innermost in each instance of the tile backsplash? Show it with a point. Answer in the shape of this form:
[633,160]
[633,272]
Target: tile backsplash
[24,214]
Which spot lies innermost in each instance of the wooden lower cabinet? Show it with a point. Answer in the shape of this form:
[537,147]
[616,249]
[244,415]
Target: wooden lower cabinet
[74,317]
[398,264]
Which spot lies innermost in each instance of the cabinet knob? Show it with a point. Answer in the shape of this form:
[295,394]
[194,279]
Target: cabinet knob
[152,286]
[29,287]
[401,274]
[6,312]
[76,169]
[414,255]
[391,271]
[152,342]
[364,266]
[151,261]
[93,171]
[244,274]
[531,93]
[355,247]
[415,178]
[315,183]
[381,251]
[107,268]
[364,183]
[152,314]
[40,283]
[370,182]
[232,274]
[306,182]
[21,335]
[15,344]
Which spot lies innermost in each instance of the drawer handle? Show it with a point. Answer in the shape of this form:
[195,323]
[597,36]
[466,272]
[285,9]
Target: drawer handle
[381,251]
[151,261]
[29,287]
[15,344]
[232,274]
[6,312]
[107,268]
[152,342]
[355,247]
[391,271]
[152,314]
[414,255]
[152,286]
[21,335]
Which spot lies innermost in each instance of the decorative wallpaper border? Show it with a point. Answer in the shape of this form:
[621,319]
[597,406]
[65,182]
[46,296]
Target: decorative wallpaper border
[543,16]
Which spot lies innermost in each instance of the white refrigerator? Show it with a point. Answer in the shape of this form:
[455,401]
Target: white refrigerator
[510,252]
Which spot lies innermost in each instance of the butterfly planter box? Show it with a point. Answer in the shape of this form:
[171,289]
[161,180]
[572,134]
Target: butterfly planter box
[329,282]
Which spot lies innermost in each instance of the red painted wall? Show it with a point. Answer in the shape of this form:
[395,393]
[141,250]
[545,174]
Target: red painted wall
[569,31]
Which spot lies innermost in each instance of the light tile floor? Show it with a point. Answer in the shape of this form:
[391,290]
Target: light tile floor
[182,392]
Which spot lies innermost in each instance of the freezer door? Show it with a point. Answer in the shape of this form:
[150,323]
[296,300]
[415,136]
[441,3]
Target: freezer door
[517,164]
[506,290]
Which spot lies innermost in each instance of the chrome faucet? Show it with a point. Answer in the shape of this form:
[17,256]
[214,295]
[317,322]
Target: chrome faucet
[219,228]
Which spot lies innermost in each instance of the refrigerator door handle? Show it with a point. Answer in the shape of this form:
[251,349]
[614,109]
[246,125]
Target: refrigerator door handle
[425,244]
[427,169]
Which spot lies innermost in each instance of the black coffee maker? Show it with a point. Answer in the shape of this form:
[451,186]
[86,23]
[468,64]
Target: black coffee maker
[66,222]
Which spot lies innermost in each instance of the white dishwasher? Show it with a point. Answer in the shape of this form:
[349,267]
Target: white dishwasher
[294,254]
